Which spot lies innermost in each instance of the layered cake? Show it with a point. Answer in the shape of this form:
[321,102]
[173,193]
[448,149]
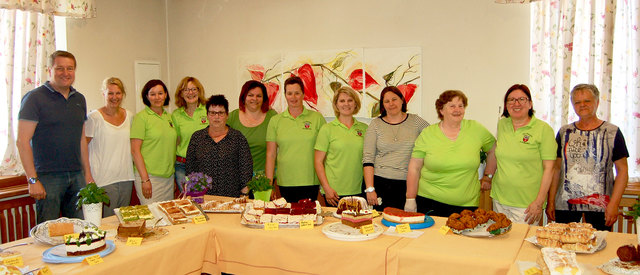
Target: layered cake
[132,229]
[60,229]
[136,212]
[281,211]
[356,219]
[400,216]
[89,241]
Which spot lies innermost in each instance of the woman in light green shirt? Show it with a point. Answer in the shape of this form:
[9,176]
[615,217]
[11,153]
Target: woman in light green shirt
[190,116]
[252,119]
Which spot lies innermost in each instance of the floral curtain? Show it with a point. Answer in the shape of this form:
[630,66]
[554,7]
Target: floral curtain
[69,8]
[26,40]
[572,42]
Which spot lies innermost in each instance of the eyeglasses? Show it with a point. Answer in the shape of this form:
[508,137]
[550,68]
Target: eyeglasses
[521,100]
[190,89]
[216,113]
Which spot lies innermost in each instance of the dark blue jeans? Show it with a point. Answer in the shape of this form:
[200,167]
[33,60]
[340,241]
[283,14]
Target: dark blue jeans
[62,189]
[180,174]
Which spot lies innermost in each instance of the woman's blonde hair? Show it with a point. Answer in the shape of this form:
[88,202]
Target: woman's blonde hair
[183,85]
[113,81]
[351,93]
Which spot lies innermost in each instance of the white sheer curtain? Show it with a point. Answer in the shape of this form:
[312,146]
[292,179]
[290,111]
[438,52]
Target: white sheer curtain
[593,42]
[27,38]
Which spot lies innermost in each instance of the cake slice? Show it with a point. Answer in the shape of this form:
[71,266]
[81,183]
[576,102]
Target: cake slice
[132,229]
[60,229]
[89,241]
[400,216]
[356,219]
[557,261]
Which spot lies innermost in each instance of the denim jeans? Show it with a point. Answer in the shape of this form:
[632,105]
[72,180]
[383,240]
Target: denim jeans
[62,189]
[180,174]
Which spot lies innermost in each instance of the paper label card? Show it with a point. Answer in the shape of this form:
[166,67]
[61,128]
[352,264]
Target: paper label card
[45,271]
[367,229]
[444,230]
[375,213]
[14,261]
[94,260]
[199,219]
[403,228]
[271,226]
[532,271]
[134,241]
[306,224]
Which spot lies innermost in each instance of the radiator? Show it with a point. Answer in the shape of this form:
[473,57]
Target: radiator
[17,217]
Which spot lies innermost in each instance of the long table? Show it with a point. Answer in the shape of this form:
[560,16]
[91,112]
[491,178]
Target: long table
[224,245]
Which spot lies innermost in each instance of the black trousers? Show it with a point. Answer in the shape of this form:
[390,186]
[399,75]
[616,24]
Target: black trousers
[439,209]
[594,218]
[296,193]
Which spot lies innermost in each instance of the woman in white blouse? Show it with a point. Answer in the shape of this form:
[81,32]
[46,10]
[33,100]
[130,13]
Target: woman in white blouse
[107,130]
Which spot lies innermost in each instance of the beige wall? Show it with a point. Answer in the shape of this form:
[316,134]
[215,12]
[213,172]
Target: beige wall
[124,31]
[476,46]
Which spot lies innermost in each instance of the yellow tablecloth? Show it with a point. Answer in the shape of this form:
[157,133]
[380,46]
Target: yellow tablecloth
[187,249]
[529,252]
[434,253]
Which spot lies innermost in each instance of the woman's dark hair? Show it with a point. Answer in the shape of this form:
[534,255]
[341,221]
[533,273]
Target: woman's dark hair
[396,91]
[250,85]
[447,96]
[218,100]
[515,87]
[150,84]
[294,80]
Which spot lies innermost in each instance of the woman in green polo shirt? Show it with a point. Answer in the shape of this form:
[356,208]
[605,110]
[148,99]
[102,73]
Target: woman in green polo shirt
[291,136]
[153,145]
[525,154]
[190,116]
[252,119]
[443,170]
[338,155]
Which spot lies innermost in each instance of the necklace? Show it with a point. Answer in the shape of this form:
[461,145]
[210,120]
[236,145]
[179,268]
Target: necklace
[395,133]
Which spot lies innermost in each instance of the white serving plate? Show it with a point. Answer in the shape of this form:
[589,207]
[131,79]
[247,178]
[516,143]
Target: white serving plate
[243,221]
[341,232]
[601,243]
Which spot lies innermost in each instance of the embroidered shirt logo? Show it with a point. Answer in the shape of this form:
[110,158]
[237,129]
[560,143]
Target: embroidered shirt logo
[307,125]
[203,119]
[171,124]
[525,137]
[359,132]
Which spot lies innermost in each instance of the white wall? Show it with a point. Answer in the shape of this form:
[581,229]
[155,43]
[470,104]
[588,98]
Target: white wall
[475,46]
[108,45]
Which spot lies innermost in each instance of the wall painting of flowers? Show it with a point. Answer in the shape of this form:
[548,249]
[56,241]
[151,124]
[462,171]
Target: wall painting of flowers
[366,70]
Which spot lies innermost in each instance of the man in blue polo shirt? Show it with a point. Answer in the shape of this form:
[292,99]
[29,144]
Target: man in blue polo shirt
[51,141]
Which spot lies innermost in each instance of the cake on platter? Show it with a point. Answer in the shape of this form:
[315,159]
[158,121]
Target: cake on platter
[354,212]
[89,241]
[282,212]
[132,229]
[400,216]
[351,203]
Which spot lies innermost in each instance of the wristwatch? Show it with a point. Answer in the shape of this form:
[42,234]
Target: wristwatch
[369,189]
[33,180]
[490,176]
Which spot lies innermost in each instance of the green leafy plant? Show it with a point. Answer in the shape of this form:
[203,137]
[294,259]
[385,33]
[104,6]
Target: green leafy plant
[259,182]
[91,194]
[635,210]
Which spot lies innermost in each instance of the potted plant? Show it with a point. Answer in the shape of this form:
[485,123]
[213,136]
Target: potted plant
[196,186]
[90,199]
[261,187]
[635,213]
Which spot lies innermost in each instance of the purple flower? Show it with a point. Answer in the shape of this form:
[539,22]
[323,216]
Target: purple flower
[198,182]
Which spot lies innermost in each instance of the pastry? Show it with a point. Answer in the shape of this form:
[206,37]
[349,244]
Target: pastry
[351,203]
[628,253]
[60,229]
[9,270]
[356,219]
[558,261]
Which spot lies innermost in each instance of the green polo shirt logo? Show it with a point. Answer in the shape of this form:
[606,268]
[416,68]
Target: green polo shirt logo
[203,120]
[307,125]
[359,132]
[525,137]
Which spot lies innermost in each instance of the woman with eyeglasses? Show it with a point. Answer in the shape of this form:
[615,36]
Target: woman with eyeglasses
[525,153]
[153,145]
[220,152]
[190,116]
[252,118]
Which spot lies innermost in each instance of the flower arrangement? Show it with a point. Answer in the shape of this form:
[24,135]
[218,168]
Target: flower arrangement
[197,182]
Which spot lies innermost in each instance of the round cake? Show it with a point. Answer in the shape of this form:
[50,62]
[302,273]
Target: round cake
[352,203]
[89,241]
[400,216]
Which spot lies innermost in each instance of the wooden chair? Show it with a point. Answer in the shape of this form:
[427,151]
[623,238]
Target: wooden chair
[17,216]
[626,224]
